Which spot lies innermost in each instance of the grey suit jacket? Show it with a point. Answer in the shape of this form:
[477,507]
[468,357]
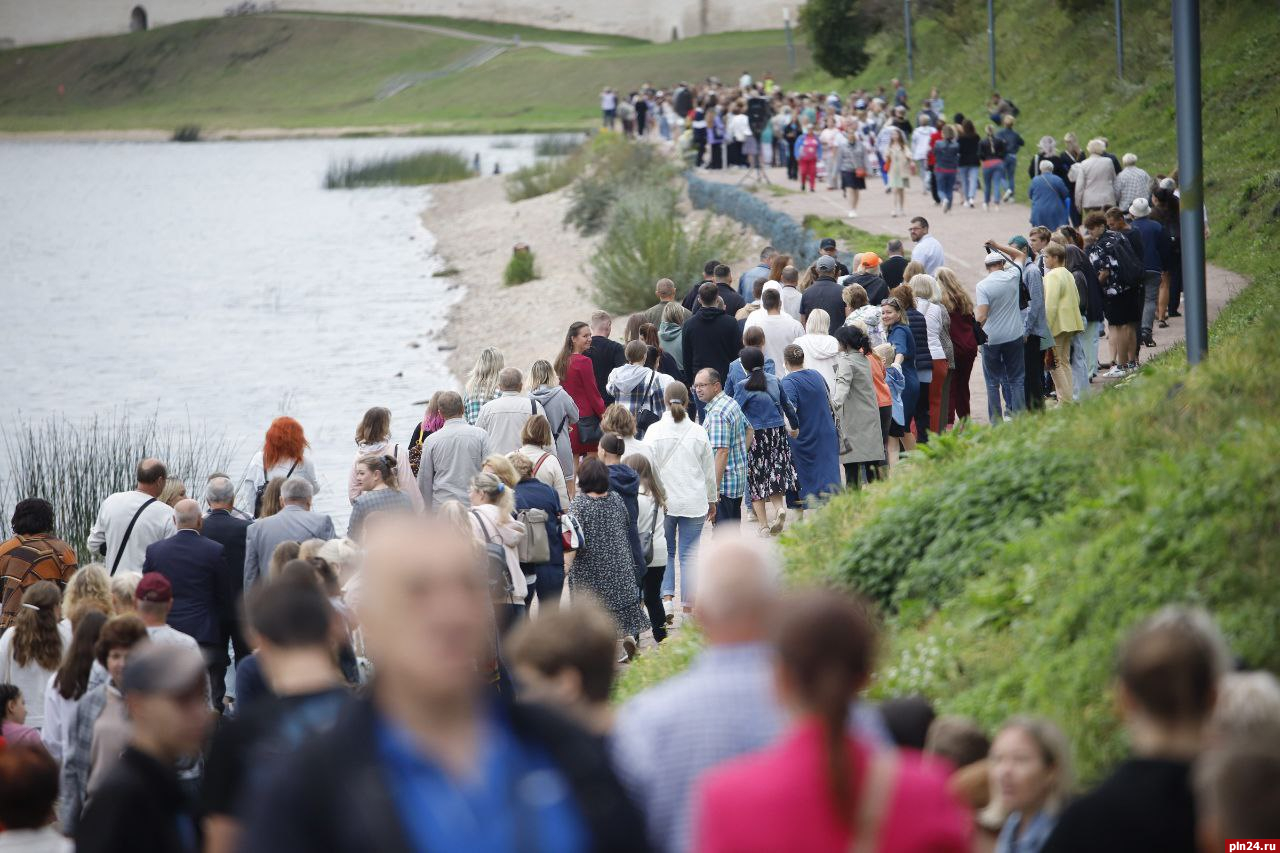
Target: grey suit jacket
[291,524]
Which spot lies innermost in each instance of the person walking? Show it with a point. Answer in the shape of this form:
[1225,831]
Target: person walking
[820,788]
[711,338]
[283,454]
[969,162]
[815,449]
[1003,360]
[536,445]
[78,673]
[1013,143]
[780,329]
[857,407]
[946,166]
[651,522]
[373,438]
[1094,179]
[482,382]
[899,165]
[685,464]
[578,378]
[730,436]
[129,521]
[31,650]
[925,289]
[638,388]
[561,413]
[1157,261]
[492,517]
[1049,195]
[962,327]
[231,532]
[819,346]
[771,475]
[378,479]
[808,151]
[33,554]
[897,333]
[604,352]
[451,455]
[991,154]
[294,523]
[503,418]
[546,578]
[928,251]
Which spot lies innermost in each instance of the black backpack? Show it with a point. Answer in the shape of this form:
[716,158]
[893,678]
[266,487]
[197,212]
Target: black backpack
[1129,266]
[262,490]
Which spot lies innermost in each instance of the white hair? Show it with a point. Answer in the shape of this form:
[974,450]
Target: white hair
[1046,166]
[1129,159]
[1248,702]
[924,286]
[219,490]
[297,489]
[1096,146]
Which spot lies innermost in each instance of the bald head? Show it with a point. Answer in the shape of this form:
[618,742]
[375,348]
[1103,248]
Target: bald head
[424,608]
[738,584]
[186,514]
[510,379]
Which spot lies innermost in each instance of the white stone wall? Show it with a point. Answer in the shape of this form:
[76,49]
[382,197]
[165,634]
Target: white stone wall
[42,21]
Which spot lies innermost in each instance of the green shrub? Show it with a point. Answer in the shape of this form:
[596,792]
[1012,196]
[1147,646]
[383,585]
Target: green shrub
[591,199]
[612,165]
[657,665]
[540,178]
[424,167]
[519,269]
[647,240]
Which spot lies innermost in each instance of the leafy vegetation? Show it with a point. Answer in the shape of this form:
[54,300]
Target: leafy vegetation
[540,178]
[657,665]
[614,166]
[519,269]
[75,465]
[423,167]
[849,238]
[187,133]
[838,30]
[557,145]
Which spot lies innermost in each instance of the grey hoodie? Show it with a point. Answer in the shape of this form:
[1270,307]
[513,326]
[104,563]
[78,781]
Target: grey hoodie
[562,412]
[669,335]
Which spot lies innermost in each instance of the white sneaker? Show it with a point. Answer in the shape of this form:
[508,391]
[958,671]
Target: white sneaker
[1115,372]
[984,205]
[895,213]
[853,214]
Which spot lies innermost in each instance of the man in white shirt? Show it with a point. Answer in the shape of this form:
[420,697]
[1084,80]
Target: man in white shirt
[130,521]
[780,329]
[791,295]
[928,250]
[504,417]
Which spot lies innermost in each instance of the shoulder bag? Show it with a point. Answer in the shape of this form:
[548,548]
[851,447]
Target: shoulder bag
[501,587]
[647,417]
[262,490]
[128,531]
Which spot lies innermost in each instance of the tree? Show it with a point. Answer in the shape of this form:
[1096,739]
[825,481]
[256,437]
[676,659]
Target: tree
[838,31]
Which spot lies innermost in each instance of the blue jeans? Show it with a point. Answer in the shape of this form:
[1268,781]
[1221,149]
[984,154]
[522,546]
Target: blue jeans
[946,186]
[1010,169]
[968,182]
[682,535]
[992,181]
[1005,368]
[548,586]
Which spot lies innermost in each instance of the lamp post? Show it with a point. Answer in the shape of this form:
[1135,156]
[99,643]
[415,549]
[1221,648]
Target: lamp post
[1120,39]
[791,45]
[991,40]
[906,20]
[1186,69]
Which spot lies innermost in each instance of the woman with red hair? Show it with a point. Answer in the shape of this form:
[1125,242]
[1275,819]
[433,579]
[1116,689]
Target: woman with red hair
[283,454]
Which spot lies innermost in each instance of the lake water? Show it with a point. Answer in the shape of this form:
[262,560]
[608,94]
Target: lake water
[218,283]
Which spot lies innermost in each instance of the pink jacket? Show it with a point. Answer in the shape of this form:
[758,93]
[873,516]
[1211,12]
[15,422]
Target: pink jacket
[776,799]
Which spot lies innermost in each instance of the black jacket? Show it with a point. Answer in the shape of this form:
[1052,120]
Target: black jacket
[194,566]
[1146,804]
[891,271]
[140,808]
[827,295]
[333,794]
[228,531]
[605,355]
[877,288]
[710,339]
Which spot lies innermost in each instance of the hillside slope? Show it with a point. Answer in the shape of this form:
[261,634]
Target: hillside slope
[297,72]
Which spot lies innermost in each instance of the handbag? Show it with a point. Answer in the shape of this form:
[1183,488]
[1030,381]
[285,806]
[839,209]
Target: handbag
[646,417]
[501,587]
[571,533]
[589,431]
[860,172]
[646,537]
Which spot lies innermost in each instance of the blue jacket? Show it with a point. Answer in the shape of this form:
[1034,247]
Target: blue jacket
[1048,193]
[1157,246]
[624,480]
[737,375]
[534,494]
[764,409]
[193,566]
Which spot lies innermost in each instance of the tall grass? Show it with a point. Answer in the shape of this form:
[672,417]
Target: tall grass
[540,178]
[647,240]
[557,145]
[75,465]
[423,167]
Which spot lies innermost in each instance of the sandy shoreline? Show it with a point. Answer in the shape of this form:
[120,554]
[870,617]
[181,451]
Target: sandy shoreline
[475,227]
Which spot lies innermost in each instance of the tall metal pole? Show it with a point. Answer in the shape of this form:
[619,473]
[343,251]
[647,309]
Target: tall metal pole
[1120,39]
[906,20]
[1186,68]
[791,45]
[991,40]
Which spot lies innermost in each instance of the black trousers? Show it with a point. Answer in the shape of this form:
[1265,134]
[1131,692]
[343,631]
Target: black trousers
[1033,384]
[653,602]
[793,165]
[922,414]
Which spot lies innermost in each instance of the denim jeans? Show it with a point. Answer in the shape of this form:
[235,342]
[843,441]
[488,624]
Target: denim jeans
[1080,362]
[968,182]
[1005,370]
[946,186]
[548,586]
[1150,295]
[992,182]
[1010,169]
[682,535]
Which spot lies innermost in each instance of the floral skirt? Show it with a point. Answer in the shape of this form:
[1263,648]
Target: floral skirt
[769,467]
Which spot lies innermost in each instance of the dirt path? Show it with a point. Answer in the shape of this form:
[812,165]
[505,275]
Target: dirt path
[554,46]
[962,233]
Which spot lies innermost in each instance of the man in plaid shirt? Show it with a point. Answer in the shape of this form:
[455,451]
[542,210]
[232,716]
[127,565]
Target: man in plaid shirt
[730,435]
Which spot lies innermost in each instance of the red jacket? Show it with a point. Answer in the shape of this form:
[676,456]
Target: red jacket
[580,383]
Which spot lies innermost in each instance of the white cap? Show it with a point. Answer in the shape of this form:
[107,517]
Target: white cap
[994,258]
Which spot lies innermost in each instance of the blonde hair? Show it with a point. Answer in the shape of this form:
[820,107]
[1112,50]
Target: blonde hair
[482,381]
[818,323]
[522,464]
[885,352]
[953,296]
[618,419]
[124,589]
[1096,147]
[501,467]
[924,286]
[87,589]
[495,492]
[311,548]
[1055,752]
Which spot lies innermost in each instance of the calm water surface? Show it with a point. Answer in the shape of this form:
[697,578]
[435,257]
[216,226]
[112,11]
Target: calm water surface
[219,283]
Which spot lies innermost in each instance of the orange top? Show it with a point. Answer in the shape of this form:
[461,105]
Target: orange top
[883,397]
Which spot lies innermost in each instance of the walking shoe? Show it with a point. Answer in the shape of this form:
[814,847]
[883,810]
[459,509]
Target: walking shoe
[1148,341]
[1115,372]
[630,647]
[1164,324]
[1175,313]
[853,214]
[668,608]
[779,522]
[984,206]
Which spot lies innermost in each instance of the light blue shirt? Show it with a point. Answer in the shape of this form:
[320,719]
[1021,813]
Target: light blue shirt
[1033,838]
[999,292]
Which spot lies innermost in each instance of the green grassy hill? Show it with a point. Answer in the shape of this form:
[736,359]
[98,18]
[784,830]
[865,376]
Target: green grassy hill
[1012,560]
[298,72]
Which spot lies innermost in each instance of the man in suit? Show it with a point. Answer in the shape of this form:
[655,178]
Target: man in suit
[194,566]
[223,526]
[605,353]
[295,522]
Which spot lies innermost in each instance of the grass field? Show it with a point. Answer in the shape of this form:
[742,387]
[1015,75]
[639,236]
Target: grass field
[499,29]
[253,72]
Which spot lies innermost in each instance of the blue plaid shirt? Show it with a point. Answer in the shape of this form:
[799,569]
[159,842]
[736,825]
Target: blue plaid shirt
[726,426]
[471,406]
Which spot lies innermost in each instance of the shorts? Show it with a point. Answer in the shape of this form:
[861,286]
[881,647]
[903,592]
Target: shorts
[886,422]
[1124,308]
[896,430]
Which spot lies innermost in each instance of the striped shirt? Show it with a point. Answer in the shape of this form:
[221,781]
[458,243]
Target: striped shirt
[727,428]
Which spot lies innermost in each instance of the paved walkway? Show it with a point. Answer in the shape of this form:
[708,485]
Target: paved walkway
[962,233]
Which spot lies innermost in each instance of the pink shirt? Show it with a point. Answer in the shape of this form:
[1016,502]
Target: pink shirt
[777,799]
[15,734]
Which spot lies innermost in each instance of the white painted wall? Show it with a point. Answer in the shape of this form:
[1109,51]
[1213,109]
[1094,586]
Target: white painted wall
[42,21]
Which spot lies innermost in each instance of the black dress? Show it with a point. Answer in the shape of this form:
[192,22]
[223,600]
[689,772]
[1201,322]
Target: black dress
[603,565]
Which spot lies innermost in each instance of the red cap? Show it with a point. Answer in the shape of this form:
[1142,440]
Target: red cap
[154,587]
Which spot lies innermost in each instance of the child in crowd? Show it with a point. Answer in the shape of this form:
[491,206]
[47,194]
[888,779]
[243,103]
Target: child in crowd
[808,152]
[893,376]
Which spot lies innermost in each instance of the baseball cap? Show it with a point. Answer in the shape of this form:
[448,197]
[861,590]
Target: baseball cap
[157,668]
[827,243]
[154,587]
[1019,241]
[869,259]
[994,258]
[826,263]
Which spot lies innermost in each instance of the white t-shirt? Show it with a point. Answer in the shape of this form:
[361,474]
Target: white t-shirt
[780,330]
[31,678]
[928,252]
[155,523]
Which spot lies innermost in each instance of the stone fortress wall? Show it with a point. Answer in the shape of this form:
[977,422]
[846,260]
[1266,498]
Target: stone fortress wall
[42,21]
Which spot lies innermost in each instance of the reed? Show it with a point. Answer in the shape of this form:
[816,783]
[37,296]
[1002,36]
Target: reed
[557,145]
[410,170]
[76,464]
